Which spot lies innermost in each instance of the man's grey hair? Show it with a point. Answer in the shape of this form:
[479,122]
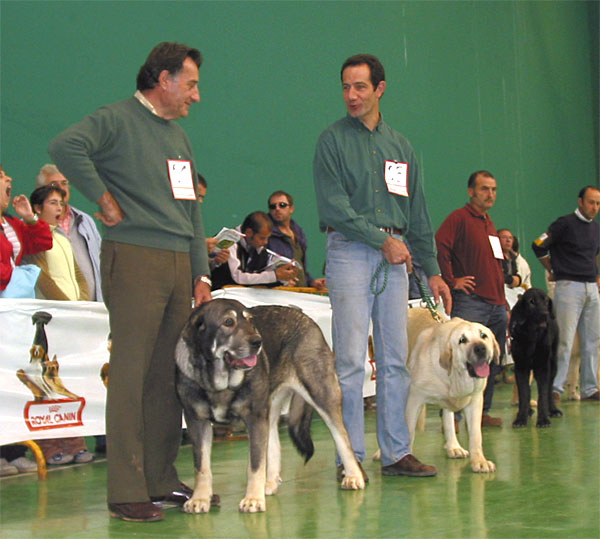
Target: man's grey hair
[47,170]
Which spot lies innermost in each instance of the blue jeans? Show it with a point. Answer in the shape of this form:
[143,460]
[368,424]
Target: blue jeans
[577,308]
[475,309]
[350,267]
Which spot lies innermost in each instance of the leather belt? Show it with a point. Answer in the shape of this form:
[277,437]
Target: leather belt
[388,229]
[391,230]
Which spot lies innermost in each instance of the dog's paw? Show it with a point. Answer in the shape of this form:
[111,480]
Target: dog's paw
[253,505]
[555,413]
[519,423]
[543,423]
[271,486]
[483,466]
[197,505]
[353,482]
[457,452]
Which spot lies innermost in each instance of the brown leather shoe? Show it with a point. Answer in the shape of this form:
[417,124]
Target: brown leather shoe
[182,495]
[592,397]
[410,466]
[340,474]
[556,397]
[489,421]
[136,511]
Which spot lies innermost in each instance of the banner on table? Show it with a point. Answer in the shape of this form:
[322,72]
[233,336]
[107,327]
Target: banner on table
[63,394]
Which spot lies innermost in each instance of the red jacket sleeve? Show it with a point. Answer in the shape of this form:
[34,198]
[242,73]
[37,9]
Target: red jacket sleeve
[34,238]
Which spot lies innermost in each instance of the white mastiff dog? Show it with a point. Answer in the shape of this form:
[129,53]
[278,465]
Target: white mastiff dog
[449,364]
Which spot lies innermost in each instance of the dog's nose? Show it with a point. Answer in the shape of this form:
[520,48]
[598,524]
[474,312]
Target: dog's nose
[480,350]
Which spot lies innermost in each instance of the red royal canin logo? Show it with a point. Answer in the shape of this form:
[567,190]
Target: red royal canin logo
[54,414]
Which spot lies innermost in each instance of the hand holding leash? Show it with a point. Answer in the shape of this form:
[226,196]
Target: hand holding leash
[439,288]
[396,252]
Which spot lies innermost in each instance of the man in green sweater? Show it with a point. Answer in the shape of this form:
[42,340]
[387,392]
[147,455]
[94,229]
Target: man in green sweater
[137,164]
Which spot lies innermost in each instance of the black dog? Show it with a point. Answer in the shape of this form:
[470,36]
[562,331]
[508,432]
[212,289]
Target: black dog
[534,334]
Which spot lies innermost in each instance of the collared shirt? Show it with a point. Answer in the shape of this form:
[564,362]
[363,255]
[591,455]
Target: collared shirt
[352,195]
[66,221]
[463,244]
[144,101]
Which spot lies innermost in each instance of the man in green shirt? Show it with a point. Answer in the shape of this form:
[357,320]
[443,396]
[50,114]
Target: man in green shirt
[137,164]
[369,197]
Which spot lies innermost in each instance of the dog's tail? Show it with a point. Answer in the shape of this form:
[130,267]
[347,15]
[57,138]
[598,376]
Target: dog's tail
[299,420]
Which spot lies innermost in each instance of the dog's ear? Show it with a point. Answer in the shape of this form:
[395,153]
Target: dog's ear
[446,358]
[517,316]
[497,351]
[198,321]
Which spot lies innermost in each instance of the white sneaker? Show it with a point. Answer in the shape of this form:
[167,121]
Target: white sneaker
[7,469]
[24,465]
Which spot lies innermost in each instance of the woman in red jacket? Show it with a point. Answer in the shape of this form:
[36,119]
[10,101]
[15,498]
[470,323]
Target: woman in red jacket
[18,237]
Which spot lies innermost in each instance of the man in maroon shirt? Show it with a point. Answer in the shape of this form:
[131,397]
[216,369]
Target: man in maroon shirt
[470,257]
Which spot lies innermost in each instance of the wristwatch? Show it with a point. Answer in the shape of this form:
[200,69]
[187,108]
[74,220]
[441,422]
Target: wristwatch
[33,220]
[204,279]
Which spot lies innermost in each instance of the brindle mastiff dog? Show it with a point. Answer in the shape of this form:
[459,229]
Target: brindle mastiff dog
[243,363]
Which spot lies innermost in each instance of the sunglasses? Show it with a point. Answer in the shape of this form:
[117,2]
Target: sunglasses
[280,204]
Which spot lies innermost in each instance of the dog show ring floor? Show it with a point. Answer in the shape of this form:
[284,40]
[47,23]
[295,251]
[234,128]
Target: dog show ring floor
[547,484]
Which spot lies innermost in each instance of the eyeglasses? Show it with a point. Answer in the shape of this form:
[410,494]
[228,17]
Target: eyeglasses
[63,183]
[280,204]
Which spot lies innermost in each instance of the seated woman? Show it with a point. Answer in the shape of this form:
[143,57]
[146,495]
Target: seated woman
[18,237]
[60,279]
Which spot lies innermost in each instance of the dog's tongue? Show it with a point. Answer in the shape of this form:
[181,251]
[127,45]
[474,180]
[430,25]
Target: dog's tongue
[482,369]
[244,362]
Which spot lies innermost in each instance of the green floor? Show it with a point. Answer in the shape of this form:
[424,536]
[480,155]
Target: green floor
[546,485]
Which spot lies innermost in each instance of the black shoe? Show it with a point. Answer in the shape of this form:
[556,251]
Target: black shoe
[182,495]
[409,466]
[136,511]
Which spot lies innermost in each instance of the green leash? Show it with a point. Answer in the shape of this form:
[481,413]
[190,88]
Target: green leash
[427,299]
[385,266]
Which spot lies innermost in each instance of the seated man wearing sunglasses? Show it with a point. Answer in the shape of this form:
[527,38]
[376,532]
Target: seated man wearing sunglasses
[288,239]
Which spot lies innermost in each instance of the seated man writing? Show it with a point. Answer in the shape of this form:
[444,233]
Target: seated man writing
[248,258]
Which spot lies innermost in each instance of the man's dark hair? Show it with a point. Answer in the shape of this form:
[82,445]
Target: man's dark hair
[375,66]
[202,181]
[585,190]
[165,55]
[256,220]
[289,197]
[42,193]
[473,177]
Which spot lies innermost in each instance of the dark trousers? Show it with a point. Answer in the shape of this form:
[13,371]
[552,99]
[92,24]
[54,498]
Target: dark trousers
[148,296]
[474,309]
